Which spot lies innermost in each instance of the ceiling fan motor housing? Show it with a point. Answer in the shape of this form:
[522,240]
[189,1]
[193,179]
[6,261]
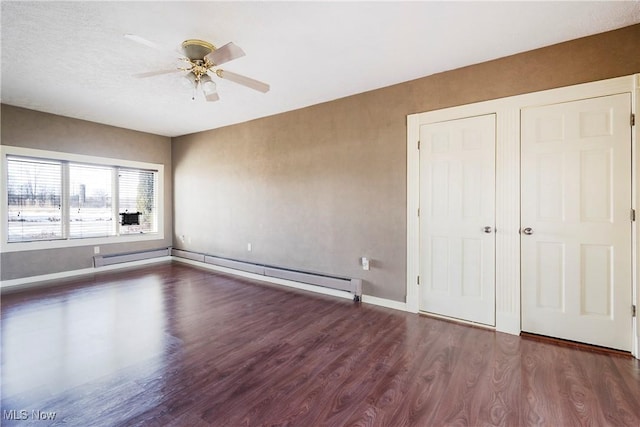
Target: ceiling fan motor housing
[196,50]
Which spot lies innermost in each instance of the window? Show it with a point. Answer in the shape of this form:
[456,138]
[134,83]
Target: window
[34,194]
[58,201]
[90,204]
[136,193]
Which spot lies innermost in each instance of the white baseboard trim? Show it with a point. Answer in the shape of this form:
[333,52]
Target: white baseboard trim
[383,302]
[38,281]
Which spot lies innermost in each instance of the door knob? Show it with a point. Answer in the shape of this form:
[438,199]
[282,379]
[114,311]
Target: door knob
[528,231]
[488,229]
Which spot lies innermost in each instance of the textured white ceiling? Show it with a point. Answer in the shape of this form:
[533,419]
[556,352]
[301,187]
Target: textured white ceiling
[70,58]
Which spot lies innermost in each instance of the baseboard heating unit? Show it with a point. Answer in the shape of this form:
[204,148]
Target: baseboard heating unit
[103,260]
[353,286]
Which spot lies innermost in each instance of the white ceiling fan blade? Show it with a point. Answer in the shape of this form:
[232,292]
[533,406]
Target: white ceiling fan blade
[143,41]
[226,53]
[152,45]
[156,73]
[244,81]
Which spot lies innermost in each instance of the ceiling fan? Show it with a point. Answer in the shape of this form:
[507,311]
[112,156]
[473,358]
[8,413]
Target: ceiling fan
[202,61]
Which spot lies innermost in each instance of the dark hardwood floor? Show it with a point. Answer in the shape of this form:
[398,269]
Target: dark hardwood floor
[171,344]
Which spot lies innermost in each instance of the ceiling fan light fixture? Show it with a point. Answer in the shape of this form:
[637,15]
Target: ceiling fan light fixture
[208,85]
[192,79]
[212,97]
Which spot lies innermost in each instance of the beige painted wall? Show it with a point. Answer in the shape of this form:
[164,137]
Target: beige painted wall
[317,188]
[32,129]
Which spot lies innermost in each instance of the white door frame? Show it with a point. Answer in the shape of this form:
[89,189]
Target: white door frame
[507,112]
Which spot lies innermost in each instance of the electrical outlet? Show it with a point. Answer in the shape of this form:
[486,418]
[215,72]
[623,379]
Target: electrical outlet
[249,247]
[96,250]
[364,261]
[182,238]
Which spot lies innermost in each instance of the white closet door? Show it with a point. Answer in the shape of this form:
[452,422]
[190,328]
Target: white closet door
[457,219]
[576,225]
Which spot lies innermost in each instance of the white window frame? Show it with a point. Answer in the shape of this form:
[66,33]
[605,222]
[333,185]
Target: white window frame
[5,246]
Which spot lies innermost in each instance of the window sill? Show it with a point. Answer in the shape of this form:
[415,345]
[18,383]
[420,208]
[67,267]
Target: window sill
[72,243]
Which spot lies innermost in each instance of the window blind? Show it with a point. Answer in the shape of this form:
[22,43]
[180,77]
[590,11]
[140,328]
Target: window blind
[34,193]
[137,193]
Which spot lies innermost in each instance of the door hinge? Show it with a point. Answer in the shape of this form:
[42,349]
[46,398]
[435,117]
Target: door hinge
[633,311]
[633,119]
[418,145]
[418,280]
[633,215]
[418,211]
